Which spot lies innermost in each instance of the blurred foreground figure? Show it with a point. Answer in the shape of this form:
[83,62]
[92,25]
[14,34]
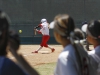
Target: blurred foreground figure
[9,40]
[79,34]
[66,64]
[7,67]
[74,59]
[93,37]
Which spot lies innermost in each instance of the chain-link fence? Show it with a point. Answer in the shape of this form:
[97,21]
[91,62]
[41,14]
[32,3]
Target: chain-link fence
[25,14]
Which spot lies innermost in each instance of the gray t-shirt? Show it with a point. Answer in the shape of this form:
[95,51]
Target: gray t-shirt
[94,56]
[67,64]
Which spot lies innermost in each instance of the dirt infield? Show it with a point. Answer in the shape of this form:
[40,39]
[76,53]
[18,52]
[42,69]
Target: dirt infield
[44,55]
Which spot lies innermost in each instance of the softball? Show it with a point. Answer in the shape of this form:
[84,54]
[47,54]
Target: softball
[20,31]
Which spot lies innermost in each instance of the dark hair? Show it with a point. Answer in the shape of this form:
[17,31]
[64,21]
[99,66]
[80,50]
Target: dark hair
[94,29]
[79,35]
[4,25]
[64,25]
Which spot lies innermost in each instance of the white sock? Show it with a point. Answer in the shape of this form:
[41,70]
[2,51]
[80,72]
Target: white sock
[39,48]
[49,47]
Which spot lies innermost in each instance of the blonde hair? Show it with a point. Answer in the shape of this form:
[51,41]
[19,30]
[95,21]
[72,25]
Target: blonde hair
[64,24]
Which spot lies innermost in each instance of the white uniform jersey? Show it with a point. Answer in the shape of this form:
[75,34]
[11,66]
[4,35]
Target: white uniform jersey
[67,62]
[44,28]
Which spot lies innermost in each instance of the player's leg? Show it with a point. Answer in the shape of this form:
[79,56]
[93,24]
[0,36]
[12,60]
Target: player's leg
[36,51]
[52,49]
[41,46]
[45,43]
[46,38]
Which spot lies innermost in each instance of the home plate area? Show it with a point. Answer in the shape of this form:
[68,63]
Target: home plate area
[43,56]
[45,52]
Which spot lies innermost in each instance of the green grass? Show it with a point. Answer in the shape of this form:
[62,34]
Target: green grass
[45,69]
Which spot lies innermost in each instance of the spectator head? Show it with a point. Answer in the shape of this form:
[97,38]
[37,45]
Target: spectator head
[93,31]
[4,25]
[63,26]
[79,35]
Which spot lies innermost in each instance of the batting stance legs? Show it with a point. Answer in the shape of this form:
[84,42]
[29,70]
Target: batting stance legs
[45,39]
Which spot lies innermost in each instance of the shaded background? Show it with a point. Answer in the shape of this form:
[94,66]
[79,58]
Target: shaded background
[26,14]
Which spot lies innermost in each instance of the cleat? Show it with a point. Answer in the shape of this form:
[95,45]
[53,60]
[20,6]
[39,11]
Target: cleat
[53,50]
[35,52]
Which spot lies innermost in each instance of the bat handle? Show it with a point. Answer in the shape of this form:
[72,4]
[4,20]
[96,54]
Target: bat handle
[35,31]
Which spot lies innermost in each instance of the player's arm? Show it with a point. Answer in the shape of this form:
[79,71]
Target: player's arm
[37,26]
[38,31]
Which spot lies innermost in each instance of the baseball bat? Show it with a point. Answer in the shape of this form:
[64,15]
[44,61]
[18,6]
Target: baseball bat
[34,31]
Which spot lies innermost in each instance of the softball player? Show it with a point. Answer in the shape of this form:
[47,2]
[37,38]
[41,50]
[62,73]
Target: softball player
[93,37]
[45,32]
[67,61]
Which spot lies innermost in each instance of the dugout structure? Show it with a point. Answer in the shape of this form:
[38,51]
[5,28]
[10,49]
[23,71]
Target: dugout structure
[26,14]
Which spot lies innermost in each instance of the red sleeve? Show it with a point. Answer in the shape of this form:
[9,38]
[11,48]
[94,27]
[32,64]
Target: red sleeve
[39,32]
[40,25]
